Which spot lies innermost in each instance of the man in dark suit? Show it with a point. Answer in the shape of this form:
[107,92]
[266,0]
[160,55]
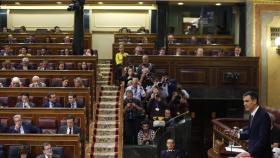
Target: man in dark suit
[25,103]
[69,128]
[170,152]
[47,151]
[258,130]
[52,102]
[21,127]
[72,102]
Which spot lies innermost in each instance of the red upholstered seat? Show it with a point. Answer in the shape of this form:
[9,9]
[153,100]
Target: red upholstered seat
[56,82]
[69,66]
[4,121]
[4,101]
[48,125]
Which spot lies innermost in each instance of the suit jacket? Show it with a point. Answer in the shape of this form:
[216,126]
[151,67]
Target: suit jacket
[79,105]
[43,156]
[63,129]
[27,128]
[169,154]
[258,135]
[20,104]
[56,105]
[20,67]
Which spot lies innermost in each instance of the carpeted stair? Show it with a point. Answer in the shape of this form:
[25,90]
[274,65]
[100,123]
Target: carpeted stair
[106,124]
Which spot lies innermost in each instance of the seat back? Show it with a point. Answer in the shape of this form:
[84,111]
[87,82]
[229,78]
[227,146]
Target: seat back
[48,125]
[14,151]
[4,101]
[58,151]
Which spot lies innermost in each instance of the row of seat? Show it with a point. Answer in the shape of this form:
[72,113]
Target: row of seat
[38,101]
[48,125]
[50,82]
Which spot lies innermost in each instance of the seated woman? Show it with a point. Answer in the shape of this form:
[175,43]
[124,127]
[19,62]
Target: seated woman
[15,82]
[88,52]
[36,83]
[23,52]
[42,52]
[78,83]
[7,65]
[84,66]
[146,135]
[61,66]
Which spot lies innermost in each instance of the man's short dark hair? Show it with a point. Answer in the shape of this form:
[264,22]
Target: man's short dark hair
[50,94]
[69,117]
[45,144]
[72,94]
[252,94]
[25,94]
[129,91]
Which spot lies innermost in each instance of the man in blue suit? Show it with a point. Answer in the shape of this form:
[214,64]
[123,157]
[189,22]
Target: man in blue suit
[170,152]
[258,130]
[52,102]
[22,127]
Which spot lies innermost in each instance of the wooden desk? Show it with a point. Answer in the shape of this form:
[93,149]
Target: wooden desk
[70,143]
[41,37]
[207,77]
[134,37]
[212,154]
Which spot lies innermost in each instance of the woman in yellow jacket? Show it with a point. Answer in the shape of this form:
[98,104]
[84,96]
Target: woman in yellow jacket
[119,63]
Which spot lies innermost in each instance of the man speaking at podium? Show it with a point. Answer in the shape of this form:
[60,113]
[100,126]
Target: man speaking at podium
[258,130]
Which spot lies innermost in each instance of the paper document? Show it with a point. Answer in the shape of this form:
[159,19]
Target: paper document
[236,149]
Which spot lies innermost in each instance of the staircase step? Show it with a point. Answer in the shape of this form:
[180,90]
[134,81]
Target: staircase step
[106,111]
[107,117]
[108,105]
[105,138]
[104,155]
[110,93]
[106,131]
[106,124]
[109,88]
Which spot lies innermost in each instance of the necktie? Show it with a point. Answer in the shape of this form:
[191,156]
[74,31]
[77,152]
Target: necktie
[70,131]
[251,120]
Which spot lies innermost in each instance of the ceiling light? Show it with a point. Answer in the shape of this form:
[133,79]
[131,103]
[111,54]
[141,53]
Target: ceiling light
[180,3]
[100,2]
[140,2]
[58,2]
[17,3]
[218,4]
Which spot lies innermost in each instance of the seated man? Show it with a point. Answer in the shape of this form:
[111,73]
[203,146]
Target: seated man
[15,82]
[36,83]
[22,127]
[162,51]
[167,118]
[44,66]
[237,51]
[29,39]
[146,135]
[69,128]
[7,51]
[199,52]
[25,102]
[11,39]
[24,65]
[72,102]
[52,102]
[7,65]
[47,151]
[170,152]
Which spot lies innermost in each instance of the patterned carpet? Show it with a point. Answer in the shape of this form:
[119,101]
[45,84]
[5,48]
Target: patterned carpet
[105,127]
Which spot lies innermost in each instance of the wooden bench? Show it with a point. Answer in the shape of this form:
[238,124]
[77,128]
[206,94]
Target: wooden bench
[35,114]
[41,37]
[70,143]
[134,37]
[148,48]
[39,96]
[207,77]
[55,59]
[217,39]
[209,50]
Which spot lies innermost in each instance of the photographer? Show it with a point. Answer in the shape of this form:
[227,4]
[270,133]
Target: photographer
[132,113]
[137,89]
[179,103]
[145,71]
[156,104]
